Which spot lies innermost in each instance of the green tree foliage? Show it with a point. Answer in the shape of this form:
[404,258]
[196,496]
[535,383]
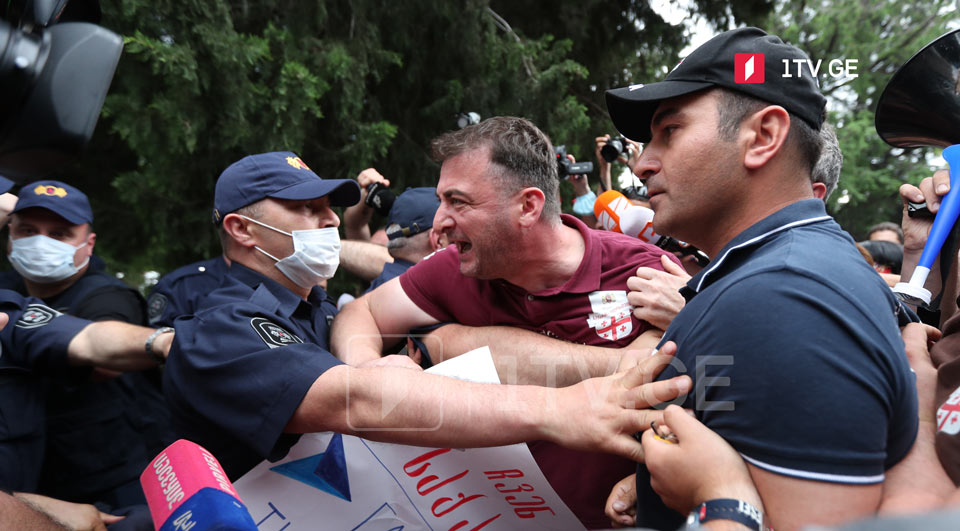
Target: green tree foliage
[347,85]
[881,35]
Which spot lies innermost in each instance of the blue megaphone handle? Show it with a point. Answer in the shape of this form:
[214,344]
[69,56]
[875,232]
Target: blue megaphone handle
[949,209]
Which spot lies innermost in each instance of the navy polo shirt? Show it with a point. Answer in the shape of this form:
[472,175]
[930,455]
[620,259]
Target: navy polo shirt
[792,343]
[180,291]
[34,343]
[390,271]
[240,367]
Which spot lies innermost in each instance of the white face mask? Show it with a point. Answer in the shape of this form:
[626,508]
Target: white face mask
[43,260]
[316,255]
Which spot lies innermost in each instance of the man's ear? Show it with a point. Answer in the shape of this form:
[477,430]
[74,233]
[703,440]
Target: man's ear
[765,131]
[91,241]
[819,190]
[238,229]
[531,205]
[434,236]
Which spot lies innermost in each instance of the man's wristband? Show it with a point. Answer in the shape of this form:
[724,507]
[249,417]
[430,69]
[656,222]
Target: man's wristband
[148,346]
[726,509]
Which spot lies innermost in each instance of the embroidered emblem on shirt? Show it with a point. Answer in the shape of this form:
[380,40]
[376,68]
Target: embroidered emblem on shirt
[611,314]
[272,334]
[948,415]
[156,304]
[36,315]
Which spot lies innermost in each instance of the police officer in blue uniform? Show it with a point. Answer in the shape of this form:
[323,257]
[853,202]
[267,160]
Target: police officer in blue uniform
[180,291]
[409,233]
[100,434]
[250,371]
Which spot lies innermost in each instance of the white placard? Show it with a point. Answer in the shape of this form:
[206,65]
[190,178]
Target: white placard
[340,482]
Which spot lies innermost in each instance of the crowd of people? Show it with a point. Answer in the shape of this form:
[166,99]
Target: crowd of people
[779,386]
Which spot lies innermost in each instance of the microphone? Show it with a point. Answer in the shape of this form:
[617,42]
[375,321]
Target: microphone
[617,214]
[187,490]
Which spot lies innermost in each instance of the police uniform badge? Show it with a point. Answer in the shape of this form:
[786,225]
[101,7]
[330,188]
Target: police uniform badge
[35,315]
[274,335]
[156,304]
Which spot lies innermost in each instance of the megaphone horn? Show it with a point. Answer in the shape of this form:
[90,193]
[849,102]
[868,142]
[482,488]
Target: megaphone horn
[920,106]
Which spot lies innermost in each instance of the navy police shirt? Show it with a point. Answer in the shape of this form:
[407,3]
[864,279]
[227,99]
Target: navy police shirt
[180,291]
[33,343]
[792,343]
[241,365]
[390,271]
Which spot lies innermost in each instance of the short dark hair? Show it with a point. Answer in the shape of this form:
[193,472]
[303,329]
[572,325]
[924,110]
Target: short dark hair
[733,107]
[522,152]
[886,225]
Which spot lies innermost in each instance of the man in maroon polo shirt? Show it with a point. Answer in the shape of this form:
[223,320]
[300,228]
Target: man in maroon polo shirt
[527,276]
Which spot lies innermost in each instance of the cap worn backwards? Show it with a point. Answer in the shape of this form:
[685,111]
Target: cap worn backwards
[714,64]
[280,175]
[60,198]
[413,212]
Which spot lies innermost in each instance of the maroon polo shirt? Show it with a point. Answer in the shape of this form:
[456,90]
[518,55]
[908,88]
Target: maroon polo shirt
[590,308]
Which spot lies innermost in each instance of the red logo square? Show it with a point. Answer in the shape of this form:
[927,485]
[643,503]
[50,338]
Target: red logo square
[748,68]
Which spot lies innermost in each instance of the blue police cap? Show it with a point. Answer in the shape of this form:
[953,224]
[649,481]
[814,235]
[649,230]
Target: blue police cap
[413,211]
[280,175]
[5,184]
[60,198]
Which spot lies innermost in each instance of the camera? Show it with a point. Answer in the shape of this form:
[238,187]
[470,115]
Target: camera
[379,198]
[565,168]
[54,76]
[615,147]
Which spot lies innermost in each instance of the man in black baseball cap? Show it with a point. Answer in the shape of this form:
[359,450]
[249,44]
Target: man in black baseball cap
[819,398]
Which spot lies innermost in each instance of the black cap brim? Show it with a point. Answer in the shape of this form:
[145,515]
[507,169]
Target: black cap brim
[631,108]
[342,192]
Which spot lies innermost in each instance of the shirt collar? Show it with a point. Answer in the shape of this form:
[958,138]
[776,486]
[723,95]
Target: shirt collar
[288,300]
[587,277]
[797,214]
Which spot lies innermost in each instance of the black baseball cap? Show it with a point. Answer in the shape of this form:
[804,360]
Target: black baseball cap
[714,64]
[281,175]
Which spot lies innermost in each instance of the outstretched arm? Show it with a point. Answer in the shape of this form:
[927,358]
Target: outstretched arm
[382,316]
[117,346]
[364,259]
[411,407]
[528,358]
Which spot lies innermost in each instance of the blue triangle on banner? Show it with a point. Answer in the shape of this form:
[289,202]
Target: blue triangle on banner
[326,471]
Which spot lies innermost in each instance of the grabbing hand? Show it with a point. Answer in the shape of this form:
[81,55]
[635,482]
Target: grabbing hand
[607,411]
[74,516]
[699,466]
[368,177]
[621,506]
[931,191]
[655,294]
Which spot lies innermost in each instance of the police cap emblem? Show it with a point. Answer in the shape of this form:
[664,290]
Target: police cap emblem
[272,334]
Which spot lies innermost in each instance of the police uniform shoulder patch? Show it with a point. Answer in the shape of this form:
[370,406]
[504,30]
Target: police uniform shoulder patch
[272,334]
[156,304]
[35,315]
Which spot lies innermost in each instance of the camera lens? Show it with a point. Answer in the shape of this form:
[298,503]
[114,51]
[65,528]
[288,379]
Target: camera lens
[380,198]
[612,149]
